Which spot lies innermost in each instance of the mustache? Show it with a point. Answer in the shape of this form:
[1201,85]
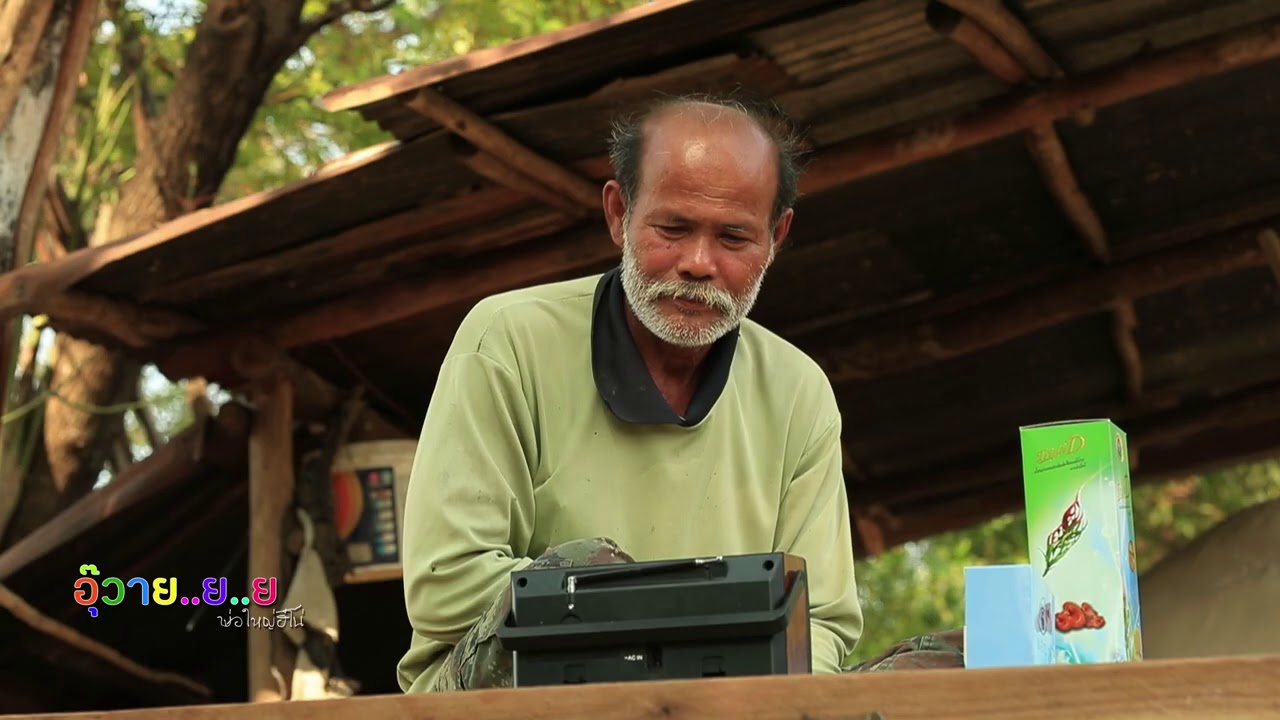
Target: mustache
[695,291]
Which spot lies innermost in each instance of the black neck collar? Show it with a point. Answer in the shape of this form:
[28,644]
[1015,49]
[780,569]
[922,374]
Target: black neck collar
[623,380]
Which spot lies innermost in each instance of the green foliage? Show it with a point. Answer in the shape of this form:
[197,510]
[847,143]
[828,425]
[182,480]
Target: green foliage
[919,588]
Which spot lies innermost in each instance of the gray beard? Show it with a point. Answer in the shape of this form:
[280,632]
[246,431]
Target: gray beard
[643,293]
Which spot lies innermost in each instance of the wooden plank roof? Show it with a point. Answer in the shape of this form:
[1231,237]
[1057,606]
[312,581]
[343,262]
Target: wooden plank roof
[560,64]
[934,268]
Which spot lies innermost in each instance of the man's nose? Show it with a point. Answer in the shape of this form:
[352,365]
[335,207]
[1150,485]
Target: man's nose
[696,259]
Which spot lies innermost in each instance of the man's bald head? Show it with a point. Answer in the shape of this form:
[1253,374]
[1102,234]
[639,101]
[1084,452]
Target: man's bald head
[728,126]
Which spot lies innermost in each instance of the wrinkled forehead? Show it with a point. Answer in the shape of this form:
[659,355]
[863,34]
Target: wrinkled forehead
[704,142]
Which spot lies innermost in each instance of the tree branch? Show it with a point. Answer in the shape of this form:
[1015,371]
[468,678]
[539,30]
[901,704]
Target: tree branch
[336,11]
[85,646]
[143,416]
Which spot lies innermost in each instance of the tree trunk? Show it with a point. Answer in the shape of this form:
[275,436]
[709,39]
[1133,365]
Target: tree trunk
[183,156]
[42,46]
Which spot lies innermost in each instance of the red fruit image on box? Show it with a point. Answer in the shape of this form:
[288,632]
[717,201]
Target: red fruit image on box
[1078,617]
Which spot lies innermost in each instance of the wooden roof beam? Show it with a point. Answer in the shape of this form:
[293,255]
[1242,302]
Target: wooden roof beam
[866,156]
[387,87]
[840,164]
[491,139]
[1045,147]
[1011,34]
[29,287]
[880,352]
[492,168]
[219,442]
[1049,304]
[993,495]
[245,360]
[851,468]
[1124,324]
[394,301]
[170,339]
[973,508]
[119,323]
[362,310]
[570,57]
[429,223]
[1257,406]
[1043,141]
[994,36]
[1269,240]
[869,533]
[1260,207]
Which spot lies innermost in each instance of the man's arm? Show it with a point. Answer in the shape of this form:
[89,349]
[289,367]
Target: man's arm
[469,508]
[814,524]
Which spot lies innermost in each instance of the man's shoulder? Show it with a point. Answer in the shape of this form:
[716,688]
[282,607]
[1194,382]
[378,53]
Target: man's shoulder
[777,354]
[529,310]
[792,373]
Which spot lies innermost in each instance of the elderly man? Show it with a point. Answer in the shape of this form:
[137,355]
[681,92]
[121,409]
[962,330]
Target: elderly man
[635,415]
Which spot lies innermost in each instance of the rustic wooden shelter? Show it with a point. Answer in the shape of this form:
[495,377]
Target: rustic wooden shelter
[1012,213]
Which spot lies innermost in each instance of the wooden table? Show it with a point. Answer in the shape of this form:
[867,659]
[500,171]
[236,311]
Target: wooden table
[1217,688]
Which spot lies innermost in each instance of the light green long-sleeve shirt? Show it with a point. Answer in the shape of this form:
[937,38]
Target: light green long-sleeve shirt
[520,452]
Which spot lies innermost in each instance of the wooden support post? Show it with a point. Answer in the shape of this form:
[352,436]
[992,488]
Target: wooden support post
[1043,143]
[982,45]
[1270,242]
[1051,159]
[490,138]
[271,484]
[1124,322]
[1017,42]
[870,533]
[1011,33]
[1042,140]
[850,466]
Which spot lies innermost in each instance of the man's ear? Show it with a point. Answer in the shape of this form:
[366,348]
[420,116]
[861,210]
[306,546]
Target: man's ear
[615,210]
[782,228]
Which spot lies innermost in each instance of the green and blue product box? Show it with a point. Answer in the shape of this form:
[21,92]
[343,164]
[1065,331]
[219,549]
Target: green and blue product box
[1080,534]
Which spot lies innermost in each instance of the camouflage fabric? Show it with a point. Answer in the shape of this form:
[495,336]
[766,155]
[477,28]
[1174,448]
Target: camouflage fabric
[478,660]
[933,651]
